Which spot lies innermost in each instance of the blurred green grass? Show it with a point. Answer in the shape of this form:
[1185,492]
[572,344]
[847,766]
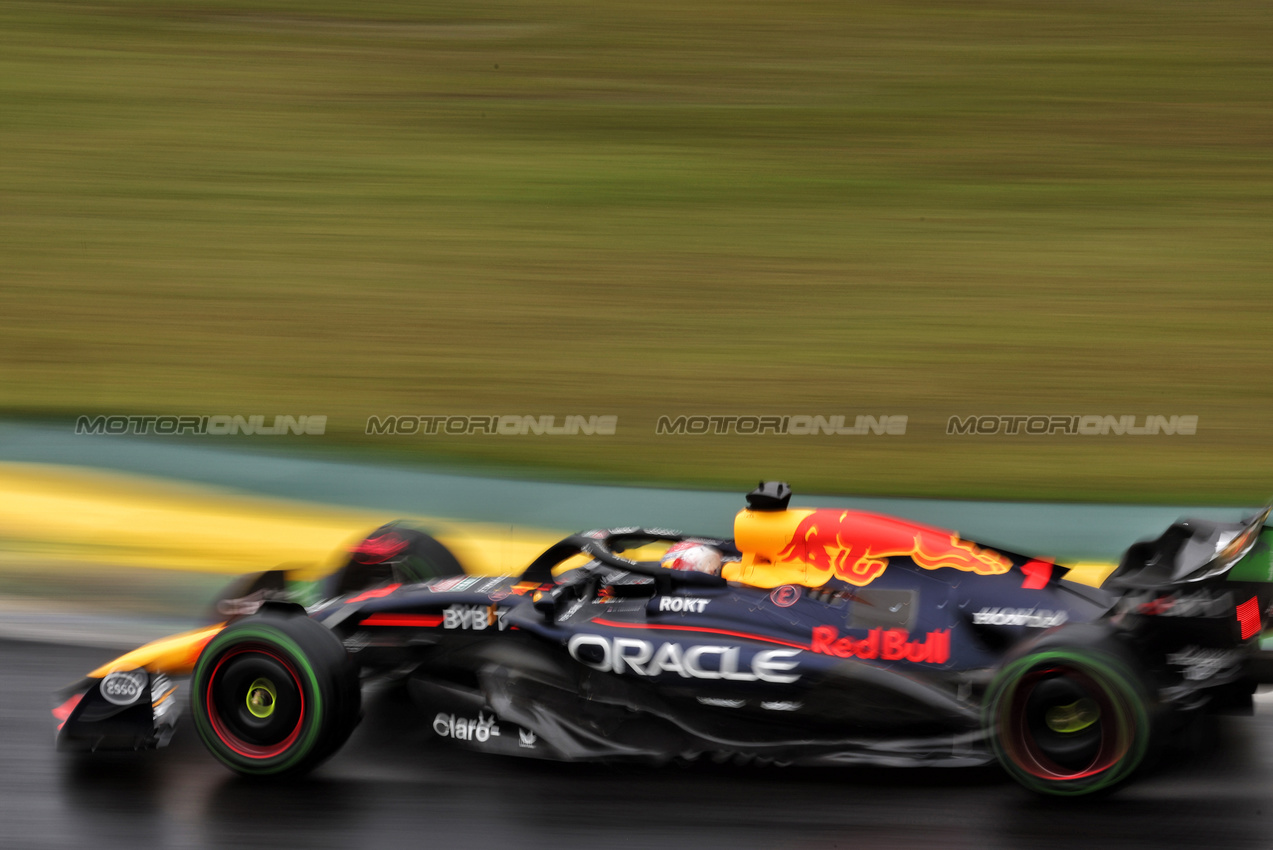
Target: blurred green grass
[921,208]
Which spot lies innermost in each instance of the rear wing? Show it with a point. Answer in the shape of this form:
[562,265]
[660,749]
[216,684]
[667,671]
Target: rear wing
[1190,550]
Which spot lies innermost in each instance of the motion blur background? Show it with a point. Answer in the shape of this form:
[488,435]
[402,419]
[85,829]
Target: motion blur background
[558,207]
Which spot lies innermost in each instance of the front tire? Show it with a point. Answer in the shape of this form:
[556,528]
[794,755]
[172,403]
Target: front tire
[1070,717]
[274,694]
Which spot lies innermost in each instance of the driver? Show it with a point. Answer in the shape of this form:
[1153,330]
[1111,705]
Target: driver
[692,555]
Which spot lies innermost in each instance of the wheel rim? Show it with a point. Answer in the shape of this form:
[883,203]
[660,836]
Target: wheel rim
[1062,724]
[262,698]
[256,705]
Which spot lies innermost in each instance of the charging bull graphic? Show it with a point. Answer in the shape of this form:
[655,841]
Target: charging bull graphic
[856,546]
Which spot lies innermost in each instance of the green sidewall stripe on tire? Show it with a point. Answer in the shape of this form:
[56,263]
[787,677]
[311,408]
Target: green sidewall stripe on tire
[313,721]
[1110,674]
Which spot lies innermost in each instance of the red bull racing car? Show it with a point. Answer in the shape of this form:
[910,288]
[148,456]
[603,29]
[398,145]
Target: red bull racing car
[814,636]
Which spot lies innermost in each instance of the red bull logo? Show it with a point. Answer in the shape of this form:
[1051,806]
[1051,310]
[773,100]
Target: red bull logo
[883,644]
[856,547]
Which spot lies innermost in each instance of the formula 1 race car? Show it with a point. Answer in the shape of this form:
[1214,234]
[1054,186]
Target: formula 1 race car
[814,636]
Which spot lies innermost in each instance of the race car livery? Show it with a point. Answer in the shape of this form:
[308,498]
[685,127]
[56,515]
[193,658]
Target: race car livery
[813,636]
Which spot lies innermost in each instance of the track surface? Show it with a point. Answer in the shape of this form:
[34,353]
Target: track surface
[396,788]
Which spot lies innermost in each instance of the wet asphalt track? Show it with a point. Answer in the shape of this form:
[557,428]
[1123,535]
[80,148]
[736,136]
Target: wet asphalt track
[393,786]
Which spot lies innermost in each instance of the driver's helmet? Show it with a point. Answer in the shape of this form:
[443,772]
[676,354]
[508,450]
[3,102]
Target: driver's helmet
[693,555]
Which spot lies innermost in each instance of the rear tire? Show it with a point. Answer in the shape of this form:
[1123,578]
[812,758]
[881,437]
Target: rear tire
[1070,716]
[274,694]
